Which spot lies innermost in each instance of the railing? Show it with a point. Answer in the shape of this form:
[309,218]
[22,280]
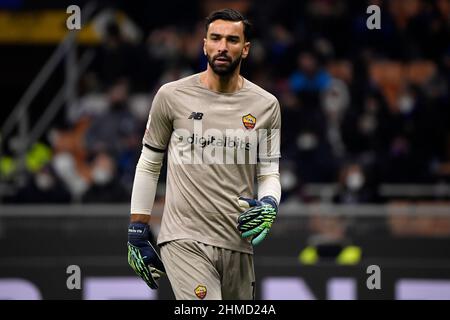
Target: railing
[326,191]
[290,209]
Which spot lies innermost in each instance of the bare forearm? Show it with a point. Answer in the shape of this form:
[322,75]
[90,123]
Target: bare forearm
[136,217]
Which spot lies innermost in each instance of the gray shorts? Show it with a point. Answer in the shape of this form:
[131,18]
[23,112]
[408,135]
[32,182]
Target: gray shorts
[200,271]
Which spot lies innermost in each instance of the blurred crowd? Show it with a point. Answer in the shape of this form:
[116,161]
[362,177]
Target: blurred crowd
[360,107]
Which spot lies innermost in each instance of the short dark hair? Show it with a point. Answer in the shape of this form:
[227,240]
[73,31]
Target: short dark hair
[229,15]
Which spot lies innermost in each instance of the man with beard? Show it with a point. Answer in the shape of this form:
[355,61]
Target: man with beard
[211,219]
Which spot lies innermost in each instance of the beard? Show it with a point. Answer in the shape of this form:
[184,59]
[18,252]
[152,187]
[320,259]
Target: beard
[226,69]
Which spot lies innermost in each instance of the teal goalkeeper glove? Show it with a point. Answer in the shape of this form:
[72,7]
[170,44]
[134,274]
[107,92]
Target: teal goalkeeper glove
[257,220]
[142,257]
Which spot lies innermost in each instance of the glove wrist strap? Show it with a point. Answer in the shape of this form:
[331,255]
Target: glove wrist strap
[270,200]
[138,231]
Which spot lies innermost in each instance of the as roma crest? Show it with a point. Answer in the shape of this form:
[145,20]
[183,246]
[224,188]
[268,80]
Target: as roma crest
[249,121]
[200,291]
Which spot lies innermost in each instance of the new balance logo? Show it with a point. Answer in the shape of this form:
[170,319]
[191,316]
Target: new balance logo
[196,116]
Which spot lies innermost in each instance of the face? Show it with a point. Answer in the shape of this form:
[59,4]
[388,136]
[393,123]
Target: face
[225,46]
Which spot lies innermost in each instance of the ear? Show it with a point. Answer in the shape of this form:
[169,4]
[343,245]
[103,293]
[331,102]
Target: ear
[245,50]
[204,46]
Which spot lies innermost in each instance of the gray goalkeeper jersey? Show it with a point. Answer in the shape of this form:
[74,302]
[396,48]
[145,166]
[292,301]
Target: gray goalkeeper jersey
[214,141]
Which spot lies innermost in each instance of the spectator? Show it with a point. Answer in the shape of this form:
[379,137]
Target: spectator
[42,187]
[105,185]
[353,186]
[116,131]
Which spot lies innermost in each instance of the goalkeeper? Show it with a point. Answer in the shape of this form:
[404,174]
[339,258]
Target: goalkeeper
[211,218]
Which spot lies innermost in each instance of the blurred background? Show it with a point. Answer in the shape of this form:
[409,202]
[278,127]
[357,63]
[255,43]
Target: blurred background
[365,167]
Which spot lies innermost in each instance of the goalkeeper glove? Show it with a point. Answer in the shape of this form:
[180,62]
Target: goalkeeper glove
[142,257]
[257,220]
